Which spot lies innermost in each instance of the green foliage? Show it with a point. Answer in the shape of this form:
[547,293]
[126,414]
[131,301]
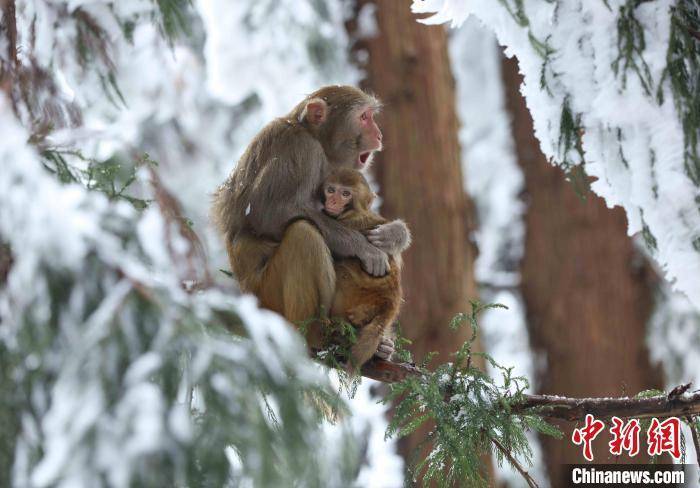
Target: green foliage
[127,373]
[682,68]
[570,130]
[621,153]
[644,423]
[469,413]
[9,418]
[174,17]
[145,357]
[55,162]
[647,235]
[227,273]
[630,45]
[683,73]
[546,51]
[401,354]
[516,10]
[339,335]
[649,393]
[113,176]
[696,244]
[93,49]
[655,184]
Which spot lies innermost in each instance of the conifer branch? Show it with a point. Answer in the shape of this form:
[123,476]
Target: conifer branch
[566,408]
[515,463]
[10,25]
[8,70]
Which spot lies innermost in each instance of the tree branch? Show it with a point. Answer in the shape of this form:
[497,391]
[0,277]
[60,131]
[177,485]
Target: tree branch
[8,29]
[514,462]
[565,408]
[10,24]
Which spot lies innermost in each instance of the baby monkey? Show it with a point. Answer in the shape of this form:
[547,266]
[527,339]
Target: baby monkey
[370,303]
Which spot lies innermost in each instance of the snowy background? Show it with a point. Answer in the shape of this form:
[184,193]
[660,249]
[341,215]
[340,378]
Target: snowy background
[192,104]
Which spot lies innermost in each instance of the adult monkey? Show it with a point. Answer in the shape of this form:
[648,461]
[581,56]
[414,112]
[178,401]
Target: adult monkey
[279,242]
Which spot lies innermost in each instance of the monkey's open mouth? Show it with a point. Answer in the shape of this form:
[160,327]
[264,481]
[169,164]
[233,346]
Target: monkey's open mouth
[364,157]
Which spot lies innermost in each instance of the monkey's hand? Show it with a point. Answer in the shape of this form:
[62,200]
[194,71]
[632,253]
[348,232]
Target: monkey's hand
[374,260]
[385,349]
[392,238]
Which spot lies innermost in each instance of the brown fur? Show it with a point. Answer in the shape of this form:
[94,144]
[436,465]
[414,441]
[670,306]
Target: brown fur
[371,304]
[278,241]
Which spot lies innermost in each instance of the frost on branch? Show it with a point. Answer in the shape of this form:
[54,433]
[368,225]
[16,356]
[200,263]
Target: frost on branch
[241,34]
[118,373]
[471,413]
[115,372]
[613,89]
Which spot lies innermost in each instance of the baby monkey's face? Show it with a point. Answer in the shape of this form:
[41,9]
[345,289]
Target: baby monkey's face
[337,198]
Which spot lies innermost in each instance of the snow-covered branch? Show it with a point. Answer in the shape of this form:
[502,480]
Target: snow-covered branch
[613,89]
[560,407]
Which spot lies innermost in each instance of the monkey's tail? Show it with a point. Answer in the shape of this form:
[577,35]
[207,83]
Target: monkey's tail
[227,211]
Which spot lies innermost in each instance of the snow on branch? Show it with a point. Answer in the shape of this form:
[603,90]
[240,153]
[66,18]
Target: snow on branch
[114,372]
[566,408]
[613,88]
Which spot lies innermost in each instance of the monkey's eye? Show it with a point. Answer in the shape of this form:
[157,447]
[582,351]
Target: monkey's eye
[363,116]
[346,194]
[330,189]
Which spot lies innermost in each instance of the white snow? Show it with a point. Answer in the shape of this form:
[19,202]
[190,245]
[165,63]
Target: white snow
[265,29]
[491,174]
[505,337]
[182,107]
[494,181]
[632,144]
[382,467]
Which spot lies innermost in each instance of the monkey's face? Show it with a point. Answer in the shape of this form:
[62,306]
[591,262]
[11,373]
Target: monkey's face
[342,118]
[369,136]
[336,198]
[354,141]
[353,136]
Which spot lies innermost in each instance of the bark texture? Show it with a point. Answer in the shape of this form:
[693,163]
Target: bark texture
[587,291]
[420,175]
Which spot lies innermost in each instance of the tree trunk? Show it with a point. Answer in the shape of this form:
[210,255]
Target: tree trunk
[587,291]
[420,176]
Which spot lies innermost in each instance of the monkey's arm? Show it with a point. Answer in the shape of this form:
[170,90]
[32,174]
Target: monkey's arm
[361,221]
[392,238]
[285,191]
[346,242]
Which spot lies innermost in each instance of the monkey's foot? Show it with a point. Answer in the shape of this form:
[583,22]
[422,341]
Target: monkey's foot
[385,349]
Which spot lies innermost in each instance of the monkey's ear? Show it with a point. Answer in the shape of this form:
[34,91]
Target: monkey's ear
[315,112]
